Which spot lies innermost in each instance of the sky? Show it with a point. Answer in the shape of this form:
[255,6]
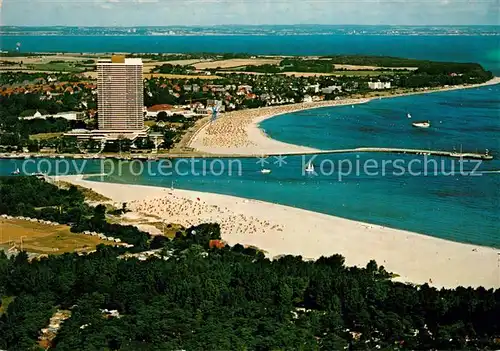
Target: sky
[254,12]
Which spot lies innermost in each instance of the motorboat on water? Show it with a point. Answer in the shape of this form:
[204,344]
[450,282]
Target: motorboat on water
[265,171]
[16,172]
[422,124]
[408,115]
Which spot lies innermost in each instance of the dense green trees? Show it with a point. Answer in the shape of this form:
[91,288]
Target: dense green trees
[174,69]
[31,197]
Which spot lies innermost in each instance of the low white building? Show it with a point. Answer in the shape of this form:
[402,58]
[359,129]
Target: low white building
[379,85]
[70,116]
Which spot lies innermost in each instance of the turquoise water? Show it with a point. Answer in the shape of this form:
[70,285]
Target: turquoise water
[460,208]
[460,48]
[454,207]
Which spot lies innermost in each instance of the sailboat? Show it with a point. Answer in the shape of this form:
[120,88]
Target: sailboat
[422,124]
[309,168]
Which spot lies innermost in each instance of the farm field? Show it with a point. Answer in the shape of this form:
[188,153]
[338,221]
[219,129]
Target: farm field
[179,76]
[47,63]
[28,60]
[66,66]
[43,238]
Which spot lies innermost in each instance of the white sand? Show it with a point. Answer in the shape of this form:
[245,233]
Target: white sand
[238,132]
[281,229]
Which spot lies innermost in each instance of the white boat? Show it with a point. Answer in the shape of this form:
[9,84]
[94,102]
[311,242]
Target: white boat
[265,171]
[16,172]
[309,168]
[423,124]
[408,115]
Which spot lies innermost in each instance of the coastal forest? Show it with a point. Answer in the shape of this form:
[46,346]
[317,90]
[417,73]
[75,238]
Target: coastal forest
[193,295]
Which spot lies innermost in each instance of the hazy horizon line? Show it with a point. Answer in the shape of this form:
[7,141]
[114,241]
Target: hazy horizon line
[253,25]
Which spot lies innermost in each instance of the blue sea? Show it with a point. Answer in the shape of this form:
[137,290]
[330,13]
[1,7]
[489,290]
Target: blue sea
[456,207]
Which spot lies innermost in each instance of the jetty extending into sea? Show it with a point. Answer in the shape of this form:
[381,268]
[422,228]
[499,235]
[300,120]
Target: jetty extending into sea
[453,154]
[149,157]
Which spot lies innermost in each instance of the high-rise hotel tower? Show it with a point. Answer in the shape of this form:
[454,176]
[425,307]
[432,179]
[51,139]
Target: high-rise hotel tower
[120,94]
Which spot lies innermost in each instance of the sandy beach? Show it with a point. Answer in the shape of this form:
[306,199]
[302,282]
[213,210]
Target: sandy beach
[238,133]
[281,230]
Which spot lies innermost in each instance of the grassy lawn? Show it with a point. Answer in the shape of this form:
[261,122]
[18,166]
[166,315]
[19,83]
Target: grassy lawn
[4,303]
[44,136]
[44,239]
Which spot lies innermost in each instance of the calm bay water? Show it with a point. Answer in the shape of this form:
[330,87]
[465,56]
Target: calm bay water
[467,118]
[455,207]
[470,48]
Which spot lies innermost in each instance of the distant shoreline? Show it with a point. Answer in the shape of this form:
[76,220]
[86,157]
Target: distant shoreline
[280,229]
[244,125]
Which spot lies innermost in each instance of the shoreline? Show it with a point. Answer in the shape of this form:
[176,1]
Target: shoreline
[218,138]
[279,230]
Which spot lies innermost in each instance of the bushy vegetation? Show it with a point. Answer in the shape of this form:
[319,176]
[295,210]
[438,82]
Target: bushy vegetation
[196,298]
